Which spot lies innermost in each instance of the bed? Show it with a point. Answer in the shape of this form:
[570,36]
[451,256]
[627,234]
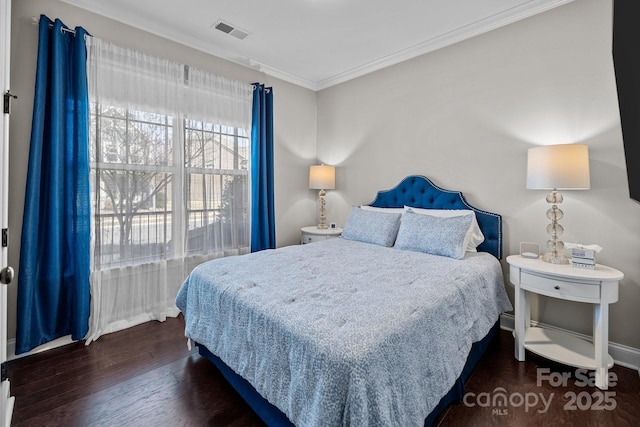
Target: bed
[379,327]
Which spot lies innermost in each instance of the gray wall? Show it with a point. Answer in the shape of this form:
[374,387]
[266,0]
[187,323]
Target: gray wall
[465,116]
[294,117]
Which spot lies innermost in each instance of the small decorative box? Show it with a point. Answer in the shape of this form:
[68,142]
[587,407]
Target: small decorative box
[583,258]
[580,264]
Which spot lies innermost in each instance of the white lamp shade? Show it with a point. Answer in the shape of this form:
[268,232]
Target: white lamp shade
[560,167]
[322,177]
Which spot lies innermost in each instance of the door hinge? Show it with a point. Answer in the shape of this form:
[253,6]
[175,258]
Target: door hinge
[5,237]
[7,102]
[4,370]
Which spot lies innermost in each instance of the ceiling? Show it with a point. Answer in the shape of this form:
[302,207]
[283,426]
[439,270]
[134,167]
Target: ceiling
[318,43]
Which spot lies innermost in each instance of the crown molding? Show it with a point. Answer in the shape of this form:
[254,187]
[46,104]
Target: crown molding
[473,29]
[476,28]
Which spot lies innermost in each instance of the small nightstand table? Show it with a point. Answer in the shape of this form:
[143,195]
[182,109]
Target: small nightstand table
[314,234]
[598,287]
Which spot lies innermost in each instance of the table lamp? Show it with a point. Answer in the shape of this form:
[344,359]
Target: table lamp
[557,167]
[322,177]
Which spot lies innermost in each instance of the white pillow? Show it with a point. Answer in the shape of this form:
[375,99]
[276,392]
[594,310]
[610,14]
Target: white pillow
[377,209]
[474,235]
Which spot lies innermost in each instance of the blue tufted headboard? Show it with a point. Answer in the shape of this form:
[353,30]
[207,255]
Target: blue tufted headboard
[419,192]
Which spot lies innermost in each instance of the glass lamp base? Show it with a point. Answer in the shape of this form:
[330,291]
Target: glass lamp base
[555,258]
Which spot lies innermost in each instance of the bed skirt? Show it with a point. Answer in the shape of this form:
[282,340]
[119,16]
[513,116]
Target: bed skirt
[273,417]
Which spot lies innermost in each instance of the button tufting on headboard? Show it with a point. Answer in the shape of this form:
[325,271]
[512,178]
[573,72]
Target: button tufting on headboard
[418,191]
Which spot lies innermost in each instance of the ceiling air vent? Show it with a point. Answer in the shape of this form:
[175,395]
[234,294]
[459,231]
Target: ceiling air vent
[232,30]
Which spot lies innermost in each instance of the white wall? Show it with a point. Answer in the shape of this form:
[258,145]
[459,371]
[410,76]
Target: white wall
[294,117]
[465,116]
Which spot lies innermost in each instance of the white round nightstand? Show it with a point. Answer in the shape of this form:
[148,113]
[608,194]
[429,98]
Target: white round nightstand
[598,287]
[314,234]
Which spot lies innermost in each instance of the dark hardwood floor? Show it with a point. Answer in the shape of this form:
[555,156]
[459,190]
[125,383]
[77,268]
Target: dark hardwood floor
[145,376]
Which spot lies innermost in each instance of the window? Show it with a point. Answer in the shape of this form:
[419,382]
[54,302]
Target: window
[144,165]
[169,163]
[217,186]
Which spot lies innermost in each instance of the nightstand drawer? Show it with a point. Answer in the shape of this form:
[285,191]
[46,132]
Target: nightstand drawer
[313,234]
[311,238]
[560,288]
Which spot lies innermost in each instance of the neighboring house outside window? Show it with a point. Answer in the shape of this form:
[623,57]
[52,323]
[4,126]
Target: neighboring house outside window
[136,161]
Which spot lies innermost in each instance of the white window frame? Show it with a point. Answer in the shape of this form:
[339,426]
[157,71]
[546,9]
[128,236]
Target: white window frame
[181,173]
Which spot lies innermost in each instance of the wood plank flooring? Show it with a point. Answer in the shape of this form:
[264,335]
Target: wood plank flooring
[145,376]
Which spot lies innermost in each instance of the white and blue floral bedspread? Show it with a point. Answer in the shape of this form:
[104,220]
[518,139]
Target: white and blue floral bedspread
[340,332]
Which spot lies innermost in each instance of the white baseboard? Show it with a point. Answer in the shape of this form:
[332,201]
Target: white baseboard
[623,355]
[11,347]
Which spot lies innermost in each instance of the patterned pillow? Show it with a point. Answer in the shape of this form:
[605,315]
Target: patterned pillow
[375,227]
[474,235]
[434,235]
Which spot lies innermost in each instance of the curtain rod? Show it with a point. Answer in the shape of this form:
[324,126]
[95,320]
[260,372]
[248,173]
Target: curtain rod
[36,21]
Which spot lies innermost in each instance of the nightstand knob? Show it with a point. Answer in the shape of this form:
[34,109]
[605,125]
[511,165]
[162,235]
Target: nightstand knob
[556,287]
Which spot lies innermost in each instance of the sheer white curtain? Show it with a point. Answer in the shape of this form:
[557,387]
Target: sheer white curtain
[169,161]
